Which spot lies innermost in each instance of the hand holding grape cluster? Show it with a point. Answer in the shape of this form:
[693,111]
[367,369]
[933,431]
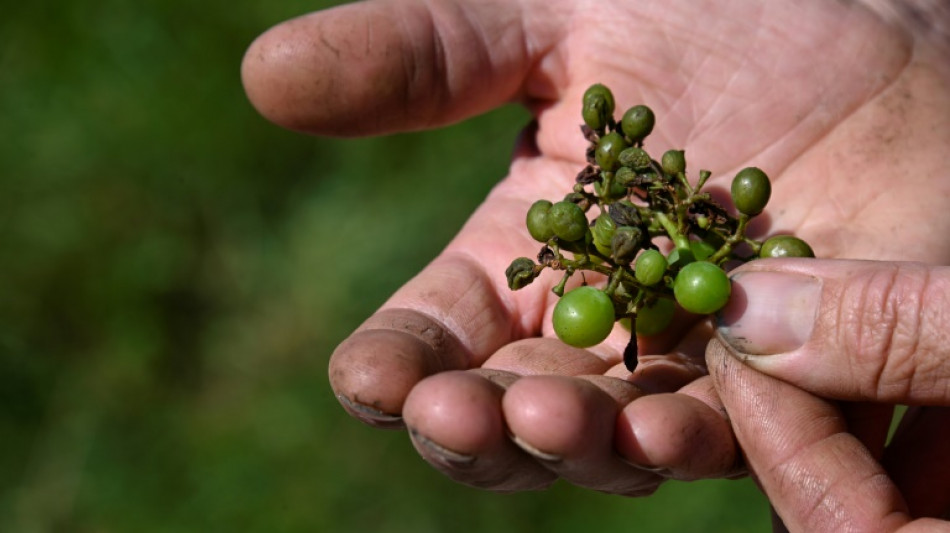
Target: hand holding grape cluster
[639,199]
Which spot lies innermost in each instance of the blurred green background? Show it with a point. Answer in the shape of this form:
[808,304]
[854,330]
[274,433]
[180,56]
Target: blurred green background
[175,272]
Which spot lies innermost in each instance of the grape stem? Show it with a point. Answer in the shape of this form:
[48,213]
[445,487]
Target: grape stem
[703,176]
[559,288]
[731,241]
[680,240]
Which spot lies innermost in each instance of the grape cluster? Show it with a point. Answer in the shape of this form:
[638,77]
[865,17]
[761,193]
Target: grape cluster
[622,202]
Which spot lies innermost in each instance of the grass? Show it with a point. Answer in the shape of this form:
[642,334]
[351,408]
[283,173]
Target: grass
[168,299]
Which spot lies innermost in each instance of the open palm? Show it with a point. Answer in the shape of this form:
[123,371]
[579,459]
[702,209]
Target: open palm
[822,95]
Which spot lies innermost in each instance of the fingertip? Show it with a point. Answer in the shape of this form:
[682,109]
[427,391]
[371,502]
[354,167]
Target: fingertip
[373,371]
[567,424]
[274,71]
[369,415]
[455,422]
[678,433]
[321,73]
[459,410]
[559,416]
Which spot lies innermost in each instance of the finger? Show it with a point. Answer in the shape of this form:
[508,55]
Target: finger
[455,422]
[429,326]
[670,370]
[918,460]
[373,370]
[567,424]
[392,65]
[683,435]
[818,476]
[856,330]
[545,356]
[681,365]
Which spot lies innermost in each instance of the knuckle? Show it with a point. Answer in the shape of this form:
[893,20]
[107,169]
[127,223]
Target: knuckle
[890,324]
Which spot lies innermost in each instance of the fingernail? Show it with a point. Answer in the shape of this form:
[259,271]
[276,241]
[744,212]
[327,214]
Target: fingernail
[369,414]
[536,453]
[435,451]
[658,470]
[769,313]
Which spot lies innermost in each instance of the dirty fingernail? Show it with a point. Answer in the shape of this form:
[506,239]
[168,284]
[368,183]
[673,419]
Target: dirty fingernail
[434,451]
[370,415]
[534,452]
[770,313]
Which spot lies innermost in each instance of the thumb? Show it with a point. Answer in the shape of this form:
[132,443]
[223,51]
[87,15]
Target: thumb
[853,330]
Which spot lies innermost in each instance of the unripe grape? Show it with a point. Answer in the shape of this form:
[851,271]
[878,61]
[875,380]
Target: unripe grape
[637,123]
[673,162]
[635,158]
[626,242]
[539,226]
[608,151]
[603,231]
[785,246]
[584,317]
[751,190]
[567,221]
[598,107]
[702,288]
[650,267]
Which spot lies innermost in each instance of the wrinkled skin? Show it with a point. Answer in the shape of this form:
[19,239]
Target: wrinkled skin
[842,103]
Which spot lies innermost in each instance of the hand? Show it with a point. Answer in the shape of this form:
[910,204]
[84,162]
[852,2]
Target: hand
[832,101]
[874,333]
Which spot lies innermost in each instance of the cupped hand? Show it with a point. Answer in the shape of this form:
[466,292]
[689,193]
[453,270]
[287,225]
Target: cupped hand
[833,101]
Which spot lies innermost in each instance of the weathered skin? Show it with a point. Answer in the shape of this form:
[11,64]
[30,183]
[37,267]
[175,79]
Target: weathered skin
[844,104]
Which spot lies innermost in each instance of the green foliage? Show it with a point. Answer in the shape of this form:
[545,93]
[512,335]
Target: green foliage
[167,306]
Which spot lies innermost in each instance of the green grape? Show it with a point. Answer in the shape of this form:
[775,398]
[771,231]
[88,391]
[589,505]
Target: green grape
[673,162]
[635,158]
[656,317]
[702,288]
[539,226]
[567,221]
[625,244]
[624,177]
[751,190]
[616,190]
[598,107]
[584,317]
[608,151]
[650,267]
[603,232]
[637,123]
[785,246]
